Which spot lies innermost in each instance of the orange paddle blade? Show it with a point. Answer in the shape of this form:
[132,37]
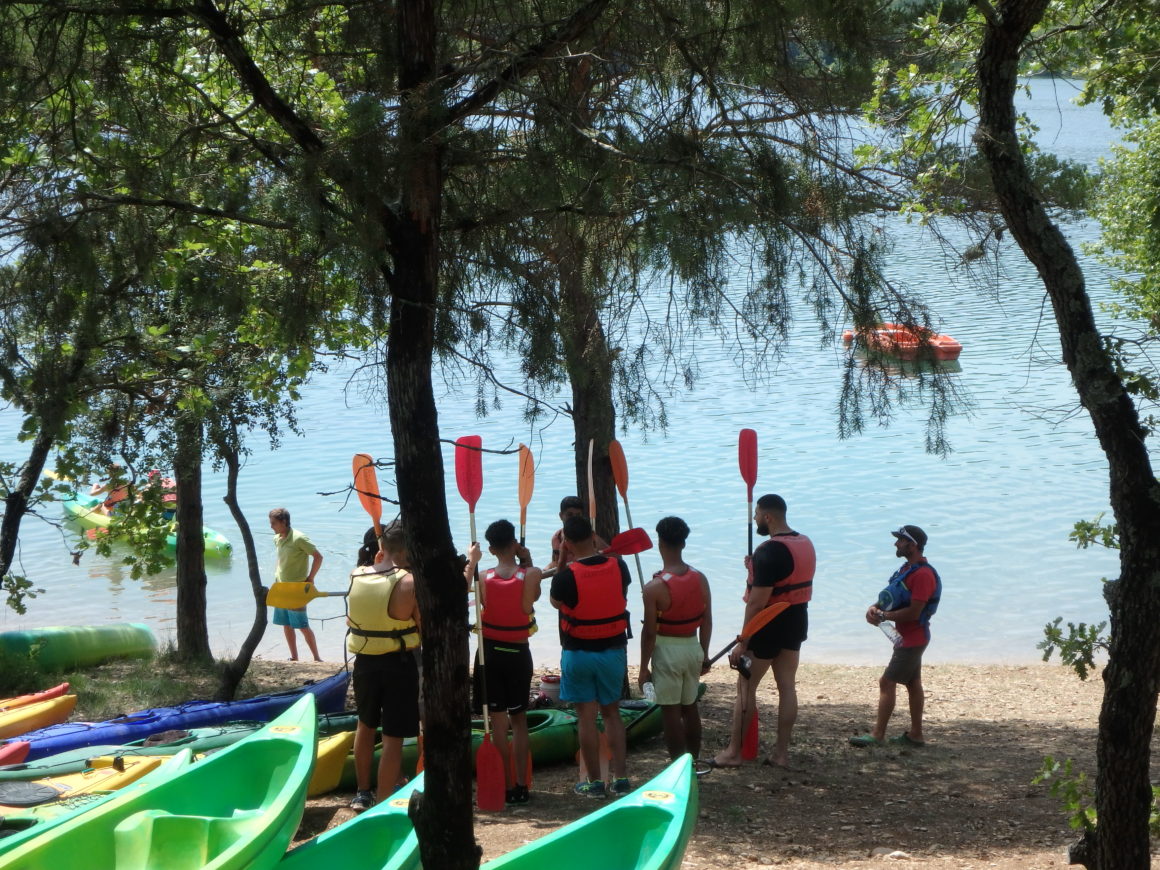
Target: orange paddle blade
[366,484]
[489,777]
[419,761]
[527,484]
[619,467]
[762,619]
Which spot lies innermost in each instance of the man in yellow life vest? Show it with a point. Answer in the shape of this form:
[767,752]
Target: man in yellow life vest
[383,634]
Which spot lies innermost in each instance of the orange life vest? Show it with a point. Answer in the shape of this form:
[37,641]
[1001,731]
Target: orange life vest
[601,608]
[798,587]
[503,614]
[687,608]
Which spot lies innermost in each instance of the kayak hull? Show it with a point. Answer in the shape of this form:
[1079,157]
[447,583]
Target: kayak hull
[330,694]
[60,647]
[646,830]
[21,700]
[30,717]
[86,511]
[233,809]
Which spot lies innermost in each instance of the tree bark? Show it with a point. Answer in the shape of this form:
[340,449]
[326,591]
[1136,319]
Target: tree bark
[444,819]
[192,630]
[233,672]
[1132,677]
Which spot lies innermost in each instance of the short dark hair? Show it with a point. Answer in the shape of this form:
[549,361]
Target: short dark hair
[501,533]
[392,539]
[369,548]
[571,501]
[577,529]
[771,502]
[673,530]
[280,515]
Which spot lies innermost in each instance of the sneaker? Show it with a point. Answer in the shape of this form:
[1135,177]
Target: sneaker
[620,787]
[517,794]
[594,788]
[362,801]
[865,740]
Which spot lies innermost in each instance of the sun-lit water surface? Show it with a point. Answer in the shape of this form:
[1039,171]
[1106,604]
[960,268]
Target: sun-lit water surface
[1025,466]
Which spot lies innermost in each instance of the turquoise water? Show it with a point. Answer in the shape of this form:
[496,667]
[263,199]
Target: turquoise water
[1025,466]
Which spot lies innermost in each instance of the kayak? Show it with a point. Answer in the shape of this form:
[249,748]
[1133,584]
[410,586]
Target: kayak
[85,509]
[21,700]
[13,753]
[20,720]
[237,808]
[60,647]
[552,737]
[329,760]
[381,838]
[648,829]
[906,342]
[330,694]
[21,826]
[103,774]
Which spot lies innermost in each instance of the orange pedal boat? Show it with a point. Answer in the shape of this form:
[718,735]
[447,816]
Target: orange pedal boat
[905,342]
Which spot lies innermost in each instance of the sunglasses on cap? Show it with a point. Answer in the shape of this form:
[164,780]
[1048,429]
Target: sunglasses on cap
[903,533]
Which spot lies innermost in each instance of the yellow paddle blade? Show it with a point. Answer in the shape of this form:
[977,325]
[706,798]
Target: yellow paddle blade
[293,596]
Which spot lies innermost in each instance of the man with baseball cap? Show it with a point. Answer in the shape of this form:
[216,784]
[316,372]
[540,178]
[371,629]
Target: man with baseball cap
[909,600]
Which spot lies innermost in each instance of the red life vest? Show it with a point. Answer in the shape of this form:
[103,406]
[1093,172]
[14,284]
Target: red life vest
[601,608]
[798,587]
[687,608]
[503,614]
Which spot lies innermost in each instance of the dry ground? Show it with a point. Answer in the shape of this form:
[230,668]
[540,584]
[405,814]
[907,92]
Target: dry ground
[965,800]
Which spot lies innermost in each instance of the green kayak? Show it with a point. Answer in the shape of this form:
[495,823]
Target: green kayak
[237,808]
[381,838]
[85,509]
[60,647]
[646,830]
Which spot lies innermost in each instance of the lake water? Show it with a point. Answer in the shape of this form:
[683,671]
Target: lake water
[1025,466]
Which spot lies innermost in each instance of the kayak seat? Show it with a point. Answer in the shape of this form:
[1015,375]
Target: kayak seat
[157,839]
[19,793]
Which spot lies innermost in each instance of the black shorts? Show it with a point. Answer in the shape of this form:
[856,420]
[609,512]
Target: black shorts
[905,665]
[787,630]
[509,677]
[386,692]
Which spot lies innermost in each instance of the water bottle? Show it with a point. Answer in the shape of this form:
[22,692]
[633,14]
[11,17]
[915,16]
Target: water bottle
[650,692]
[891,633]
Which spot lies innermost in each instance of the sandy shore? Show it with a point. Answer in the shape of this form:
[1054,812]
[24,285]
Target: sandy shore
[965,800]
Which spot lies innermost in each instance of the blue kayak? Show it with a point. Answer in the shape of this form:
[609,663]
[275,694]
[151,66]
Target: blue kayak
[329,696]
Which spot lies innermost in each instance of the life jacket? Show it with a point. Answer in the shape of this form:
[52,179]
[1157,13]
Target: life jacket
[798,587]
[372,629]
[601,609]
[687,608]
[503,614]
[896,594]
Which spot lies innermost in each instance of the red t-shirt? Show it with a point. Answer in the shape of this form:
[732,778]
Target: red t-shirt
[922,588]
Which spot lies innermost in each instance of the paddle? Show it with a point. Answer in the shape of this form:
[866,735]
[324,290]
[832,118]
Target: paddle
[489,771]
[747,461]
[758,622]
[620,475]
[366,484]
[627,543]
[527,484]
[296,595]
[591,485]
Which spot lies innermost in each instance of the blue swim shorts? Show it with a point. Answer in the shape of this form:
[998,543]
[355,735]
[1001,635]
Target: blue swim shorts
[292,618]
[593,676]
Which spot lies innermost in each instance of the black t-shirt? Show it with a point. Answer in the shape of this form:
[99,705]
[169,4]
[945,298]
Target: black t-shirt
[772,561]
[564,590]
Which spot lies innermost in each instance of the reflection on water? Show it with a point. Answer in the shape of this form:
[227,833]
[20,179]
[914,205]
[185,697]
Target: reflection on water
[1025,466]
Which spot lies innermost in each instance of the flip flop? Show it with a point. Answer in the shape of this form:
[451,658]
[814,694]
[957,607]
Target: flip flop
[905,739]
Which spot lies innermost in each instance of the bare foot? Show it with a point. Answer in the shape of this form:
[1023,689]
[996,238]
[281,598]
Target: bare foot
[724,759]
[781,761]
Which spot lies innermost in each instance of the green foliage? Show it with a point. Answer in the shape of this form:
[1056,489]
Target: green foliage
[1078,648]
[1072,790]
[20,674]
[1087,533]
[18,590]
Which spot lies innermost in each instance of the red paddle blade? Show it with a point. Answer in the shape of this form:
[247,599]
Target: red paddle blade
[469,468]
[629,542]
[749,743]
[762,619]
[366,484]
[489,777]
[747,458]
[619,467]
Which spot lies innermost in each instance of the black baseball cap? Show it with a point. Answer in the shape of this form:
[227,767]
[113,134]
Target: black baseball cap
[913,534]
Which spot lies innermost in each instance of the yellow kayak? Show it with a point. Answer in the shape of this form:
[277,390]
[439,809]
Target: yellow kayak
[39,714]
[328,763]
[105,774]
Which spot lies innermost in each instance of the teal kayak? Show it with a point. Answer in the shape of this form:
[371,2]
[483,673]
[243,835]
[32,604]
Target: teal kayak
[237,808]
[646,830]
[85,509]
[381,838]
[60,647]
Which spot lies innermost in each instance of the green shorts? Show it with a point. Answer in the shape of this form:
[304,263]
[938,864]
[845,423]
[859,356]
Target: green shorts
[292,618]
[676,669]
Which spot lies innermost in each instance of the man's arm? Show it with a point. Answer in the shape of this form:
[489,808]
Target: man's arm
[706,631]
[316,563]
[648,634]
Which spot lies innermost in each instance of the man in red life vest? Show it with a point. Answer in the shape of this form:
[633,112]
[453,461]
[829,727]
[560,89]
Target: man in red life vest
[909,600]
[591,594]
[674,644]
[781,569]
[507,595]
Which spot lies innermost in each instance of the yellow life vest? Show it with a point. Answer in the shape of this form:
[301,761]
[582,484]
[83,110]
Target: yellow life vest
[372,630]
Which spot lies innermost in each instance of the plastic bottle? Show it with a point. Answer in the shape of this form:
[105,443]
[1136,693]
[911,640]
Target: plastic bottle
[891,633]
[650,692]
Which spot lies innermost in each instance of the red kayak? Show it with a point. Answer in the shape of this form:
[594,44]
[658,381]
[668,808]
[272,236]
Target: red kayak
[906,342]
[14,752]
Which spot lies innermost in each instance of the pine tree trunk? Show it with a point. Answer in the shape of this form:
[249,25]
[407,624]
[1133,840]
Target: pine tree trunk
[444,821]
[192,630]
[1132,677]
